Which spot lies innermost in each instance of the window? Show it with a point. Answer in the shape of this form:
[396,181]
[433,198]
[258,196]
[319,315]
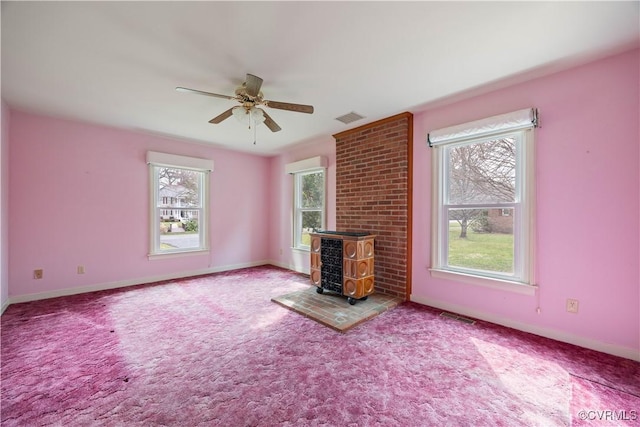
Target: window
[309,206]
[483,199]
[179,204]
[308,198]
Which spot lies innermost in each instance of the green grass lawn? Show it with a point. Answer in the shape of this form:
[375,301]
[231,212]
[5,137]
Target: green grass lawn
[482,251]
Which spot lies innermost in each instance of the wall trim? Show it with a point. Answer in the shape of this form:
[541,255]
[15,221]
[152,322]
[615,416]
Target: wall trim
[626,352]
[4,306]
[289,267]
[131,282]
[409,208]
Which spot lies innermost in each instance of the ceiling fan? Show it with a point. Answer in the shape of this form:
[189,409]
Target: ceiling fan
[248,94]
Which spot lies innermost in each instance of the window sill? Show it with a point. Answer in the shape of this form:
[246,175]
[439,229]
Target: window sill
[504,285]
[300,249]
[177,254]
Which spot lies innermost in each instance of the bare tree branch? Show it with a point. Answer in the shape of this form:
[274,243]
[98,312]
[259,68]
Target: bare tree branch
[482,172]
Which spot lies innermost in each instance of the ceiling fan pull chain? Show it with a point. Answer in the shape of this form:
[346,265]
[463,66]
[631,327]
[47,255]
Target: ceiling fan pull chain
[255,132]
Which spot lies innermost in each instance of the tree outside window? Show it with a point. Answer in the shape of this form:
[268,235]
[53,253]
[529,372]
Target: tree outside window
[481,178]
[309,206]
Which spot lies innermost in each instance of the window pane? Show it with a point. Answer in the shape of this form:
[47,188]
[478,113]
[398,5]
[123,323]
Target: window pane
[482,172]
[310,220]
[481,239]
[312,190]
[179,217]
[178,188]
[182,233]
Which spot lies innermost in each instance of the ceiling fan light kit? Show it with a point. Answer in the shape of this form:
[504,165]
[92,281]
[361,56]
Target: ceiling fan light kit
[250,115]
[248,94]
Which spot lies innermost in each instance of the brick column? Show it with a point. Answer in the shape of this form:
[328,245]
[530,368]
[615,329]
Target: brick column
[373,194]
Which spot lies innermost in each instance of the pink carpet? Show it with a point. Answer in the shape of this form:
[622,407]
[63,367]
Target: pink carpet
[215,351]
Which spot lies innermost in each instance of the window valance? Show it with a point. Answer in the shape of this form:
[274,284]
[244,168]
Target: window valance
[306,164]
[173,160]
[515,120]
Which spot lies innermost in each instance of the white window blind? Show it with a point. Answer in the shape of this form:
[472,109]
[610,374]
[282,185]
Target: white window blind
[306,165]
[515,120]
[173,160]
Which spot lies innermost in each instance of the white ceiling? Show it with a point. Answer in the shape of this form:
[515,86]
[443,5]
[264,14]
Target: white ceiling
[118,63]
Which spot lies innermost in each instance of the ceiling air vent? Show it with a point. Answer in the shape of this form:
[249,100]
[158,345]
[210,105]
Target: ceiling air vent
[349,118]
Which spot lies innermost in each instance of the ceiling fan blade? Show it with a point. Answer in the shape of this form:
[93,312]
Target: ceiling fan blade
[253,85]
[216,95]
[268,121]
[217,119]
[298,108]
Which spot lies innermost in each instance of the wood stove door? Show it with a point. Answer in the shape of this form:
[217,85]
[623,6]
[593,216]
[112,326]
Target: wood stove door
[331,264]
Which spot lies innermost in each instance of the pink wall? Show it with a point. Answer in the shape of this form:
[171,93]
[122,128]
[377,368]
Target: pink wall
[280,237]
[587,206]
[79,196]
[4,206]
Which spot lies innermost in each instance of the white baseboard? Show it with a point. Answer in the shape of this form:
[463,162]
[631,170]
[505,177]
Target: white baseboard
[289,267]
[4,306]
[627,353]
[280,264]
[125,283]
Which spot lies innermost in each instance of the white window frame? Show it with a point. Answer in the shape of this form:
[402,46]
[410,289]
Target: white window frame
[523,278]
[310,165]
[157,161]
[298,209]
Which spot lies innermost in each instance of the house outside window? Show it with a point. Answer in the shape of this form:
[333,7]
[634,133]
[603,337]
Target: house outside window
[179,204]
[483,200]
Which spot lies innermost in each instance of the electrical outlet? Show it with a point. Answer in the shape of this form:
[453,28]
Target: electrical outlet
[572,305]
[81,269]
[37,274]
